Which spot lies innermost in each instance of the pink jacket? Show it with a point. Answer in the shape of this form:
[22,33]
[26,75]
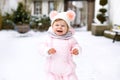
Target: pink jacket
[61,62]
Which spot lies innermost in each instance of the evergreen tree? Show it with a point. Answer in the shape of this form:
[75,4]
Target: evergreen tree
[21,15]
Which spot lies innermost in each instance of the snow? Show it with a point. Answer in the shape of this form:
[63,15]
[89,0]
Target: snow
[20,58]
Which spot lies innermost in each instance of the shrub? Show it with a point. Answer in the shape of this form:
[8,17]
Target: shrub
[21,15]
[101,15]
[7,22]
[0,20]
[40,23]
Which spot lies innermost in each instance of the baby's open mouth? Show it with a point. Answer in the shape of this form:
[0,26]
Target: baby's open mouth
[59,31]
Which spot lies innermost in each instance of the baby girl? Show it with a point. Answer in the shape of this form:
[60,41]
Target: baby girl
[60,46]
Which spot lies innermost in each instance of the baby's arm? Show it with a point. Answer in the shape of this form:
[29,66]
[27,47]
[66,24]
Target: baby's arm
[76,49]
[45,48]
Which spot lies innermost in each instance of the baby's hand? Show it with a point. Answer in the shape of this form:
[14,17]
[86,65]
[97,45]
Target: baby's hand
[75,51]
[51,51]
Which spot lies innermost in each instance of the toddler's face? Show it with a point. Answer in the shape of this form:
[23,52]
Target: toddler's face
[60,27]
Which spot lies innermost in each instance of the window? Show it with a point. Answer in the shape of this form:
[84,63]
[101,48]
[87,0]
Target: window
[51,6]
[37,7]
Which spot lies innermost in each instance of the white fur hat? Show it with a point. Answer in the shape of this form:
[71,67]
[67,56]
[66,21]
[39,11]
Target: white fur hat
[67,16]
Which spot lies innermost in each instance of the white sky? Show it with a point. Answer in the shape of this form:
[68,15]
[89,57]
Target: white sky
[20,58]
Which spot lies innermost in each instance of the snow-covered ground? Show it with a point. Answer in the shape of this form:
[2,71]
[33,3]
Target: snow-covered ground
[20,58]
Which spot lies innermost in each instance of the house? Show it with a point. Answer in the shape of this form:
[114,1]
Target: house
[86,10]
[43,7]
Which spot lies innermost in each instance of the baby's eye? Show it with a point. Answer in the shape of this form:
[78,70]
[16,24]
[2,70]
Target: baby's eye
[63,25]
[56,25]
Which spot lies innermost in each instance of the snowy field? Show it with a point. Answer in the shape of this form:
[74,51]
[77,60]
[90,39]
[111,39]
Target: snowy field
[20,58]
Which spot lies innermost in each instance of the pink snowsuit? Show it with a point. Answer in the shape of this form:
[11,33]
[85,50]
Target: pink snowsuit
[60,66]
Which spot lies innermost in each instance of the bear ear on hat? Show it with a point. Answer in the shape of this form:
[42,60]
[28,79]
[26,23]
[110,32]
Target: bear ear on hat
[52,14]
[71,15]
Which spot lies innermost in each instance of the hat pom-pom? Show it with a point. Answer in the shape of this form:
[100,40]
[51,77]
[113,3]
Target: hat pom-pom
[71,15]
[53,14]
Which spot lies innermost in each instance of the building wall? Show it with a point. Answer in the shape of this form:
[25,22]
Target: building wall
[60,5]
[45,7]
[114,12]
[7,5]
